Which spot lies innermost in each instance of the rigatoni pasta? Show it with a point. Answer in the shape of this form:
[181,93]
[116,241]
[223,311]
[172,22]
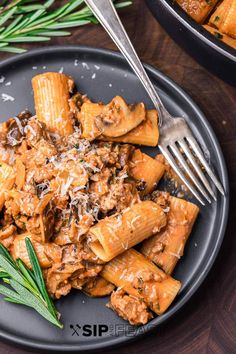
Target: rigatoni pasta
[138,276]
[7,179]
[223,37]
[198,10]
[89,117]
[19,251]
[146,169]
[146,133]
[51,96]
[98,287]
[115,234]
[224,18]
[167,246]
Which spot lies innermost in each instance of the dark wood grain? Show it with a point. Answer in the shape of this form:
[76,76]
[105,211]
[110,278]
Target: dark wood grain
[207,324]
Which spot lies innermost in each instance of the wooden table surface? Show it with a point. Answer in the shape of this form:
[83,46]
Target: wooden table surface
[207,324]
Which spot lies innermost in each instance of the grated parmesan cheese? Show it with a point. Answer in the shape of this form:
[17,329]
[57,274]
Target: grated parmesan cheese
[166,210]
[2,79]
[66,186]
[85,65]
[28,127]
[125,175]
[5,97]
[18,122]
[93,168]
[174,254]
[133,221]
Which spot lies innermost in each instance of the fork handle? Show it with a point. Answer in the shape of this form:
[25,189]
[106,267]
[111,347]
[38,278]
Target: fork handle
[105,12]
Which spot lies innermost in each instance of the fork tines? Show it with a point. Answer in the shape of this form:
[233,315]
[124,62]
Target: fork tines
[187,160]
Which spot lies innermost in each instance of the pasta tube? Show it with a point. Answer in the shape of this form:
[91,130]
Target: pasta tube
[89,117]
[20,174]
[19,250]
[98,287]
[147,169]
[146,133]
[224,18]
[198,10]
[167,246]
[7,180]
[139,277]
[222,37]
[51,96]
[112,235]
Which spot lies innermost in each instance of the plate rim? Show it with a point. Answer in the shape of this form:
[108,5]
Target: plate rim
[112,342]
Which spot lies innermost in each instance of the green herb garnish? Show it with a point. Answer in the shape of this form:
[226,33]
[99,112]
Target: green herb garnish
[24,21]
[28,286]
[216,18]
[218,35]
[209,2]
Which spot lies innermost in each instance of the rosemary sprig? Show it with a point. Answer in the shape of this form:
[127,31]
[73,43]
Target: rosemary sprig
[28,286]
[24,21]
[21,6]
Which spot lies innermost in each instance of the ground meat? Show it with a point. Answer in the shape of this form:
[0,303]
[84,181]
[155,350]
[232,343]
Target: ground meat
[129,308]
[32,224]
[21,202]
[77,101]
[7,154]
[57,278]
[100,184]
[69,184]
[120,196]
[15,127]
[46,172]
[98,287]
[124,154]
[35,131]
[39,154]
[7,231]
[7,242]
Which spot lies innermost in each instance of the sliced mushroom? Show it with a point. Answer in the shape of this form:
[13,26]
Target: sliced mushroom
[118,118]
[111,120]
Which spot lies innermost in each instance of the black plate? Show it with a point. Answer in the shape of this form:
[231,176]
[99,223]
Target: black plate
[215,55]
[103,74]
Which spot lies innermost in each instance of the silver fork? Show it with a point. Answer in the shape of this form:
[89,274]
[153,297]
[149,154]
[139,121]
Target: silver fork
[175,135]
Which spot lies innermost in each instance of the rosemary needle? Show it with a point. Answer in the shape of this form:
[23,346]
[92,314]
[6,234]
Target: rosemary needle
[27,287]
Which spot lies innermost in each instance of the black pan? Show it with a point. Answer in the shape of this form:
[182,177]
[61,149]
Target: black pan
[215,55]
[88,324]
